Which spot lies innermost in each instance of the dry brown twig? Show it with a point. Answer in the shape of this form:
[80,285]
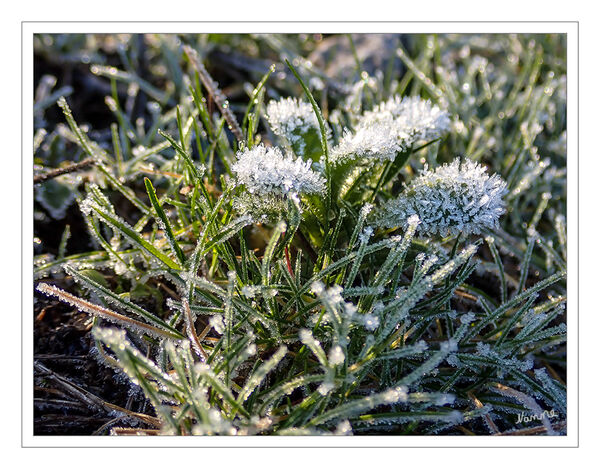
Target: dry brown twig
[65,170]
[487,418]
[90,400]
[100,311]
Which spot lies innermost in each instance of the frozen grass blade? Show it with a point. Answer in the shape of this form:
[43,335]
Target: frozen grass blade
[164,222]
[390,396]
[117,300]
[498,261]
[257,377]
[102,312]
[134,236]
[324,143]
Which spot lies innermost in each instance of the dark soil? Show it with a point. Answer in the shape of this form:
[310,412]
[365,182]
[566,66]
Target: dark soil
[63,353]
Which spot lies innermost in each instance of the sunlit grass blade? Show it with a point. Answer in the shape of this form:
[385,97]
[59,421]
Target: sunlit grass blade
[164,222]
[133,236]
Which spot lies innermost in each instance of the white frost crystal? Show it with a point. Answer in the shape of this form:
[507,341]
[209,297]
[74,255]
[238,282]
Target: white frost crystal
[343,428]
[371,322]
[381,141]
[390,128]
[336,355]
[459,197]
[290,118]
[418,118]
[272,181]
[267,171]
[217,323]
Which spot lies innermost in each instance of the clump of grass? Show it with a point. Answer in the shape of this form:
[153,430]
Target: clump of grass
[316,284]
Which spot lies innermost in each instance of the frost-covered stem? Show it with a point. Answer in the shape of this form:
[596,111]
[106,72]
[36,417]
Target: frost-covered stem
[102,312]
[445,349]
[214,92]
[257,377]
[324,144]
[65,170]
[498,261]
[229,319]
[391,396]
[381,180]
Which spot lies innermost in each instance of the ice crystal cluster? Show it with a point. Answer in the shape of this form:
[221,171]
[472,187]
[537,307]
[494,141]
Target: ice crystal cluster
[271,179]
[296,123]
[390,128]
[265,170]
[459,197]
[417,118]
[291,118]
[378,142]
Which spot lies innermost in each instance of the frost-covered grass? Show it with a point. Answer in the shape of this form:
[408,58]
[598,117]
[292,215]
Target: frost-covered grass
[379,253]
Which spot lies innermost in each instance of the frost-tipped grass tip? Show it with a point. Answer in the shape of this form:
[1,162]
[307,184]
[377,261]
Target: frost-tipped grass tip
[291,118]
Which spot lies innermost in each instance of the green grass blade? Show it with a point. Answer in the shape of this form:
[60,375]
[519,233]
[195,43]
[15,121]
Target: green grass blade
[164,222]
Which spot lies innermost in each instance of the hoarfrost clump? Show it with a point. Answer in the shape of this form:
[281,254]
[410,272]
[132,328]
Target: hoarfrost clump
[366,234]
[391,128]
[417,118]
[271,180]
[371,322]
[267,171]
[332,295]
[250,291]
[453,360]
[291,119]
[326,387]
[449,346]
[397,394]
[379,142]
[217,323]
[333,300]
[343,428]
[336,355]
[467,318]
[459,197]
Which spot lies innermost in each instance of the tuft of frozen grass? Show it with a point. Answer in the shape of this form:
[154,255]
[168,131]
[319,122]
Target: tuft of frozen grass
[327,323]
[459,197]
